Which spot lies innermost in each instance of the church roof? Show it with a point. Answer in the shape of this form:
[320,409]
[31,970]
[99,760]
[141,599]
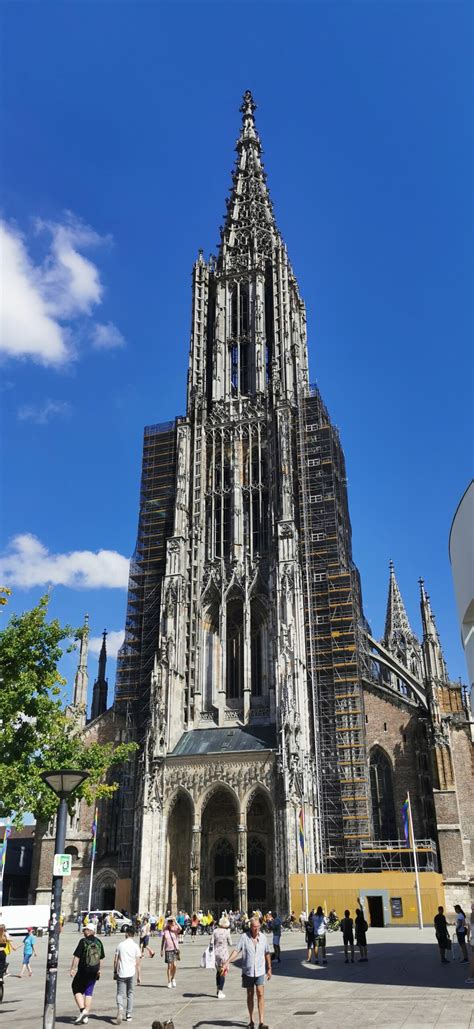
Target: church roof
[227,740]
[396,620]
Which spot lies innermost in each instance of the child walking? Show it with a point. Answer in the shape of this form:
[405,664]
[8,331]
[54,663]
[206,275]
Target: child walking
[28,952]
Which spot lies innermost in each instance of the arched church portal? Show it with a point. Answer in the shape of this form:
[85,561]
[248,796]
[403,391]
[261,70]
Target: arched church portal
[260,838]
[219,851]
[179,838]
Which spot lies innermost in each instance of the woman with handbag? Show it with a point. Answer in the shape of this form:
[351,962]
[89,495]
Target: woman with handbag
[170,947]
[221,943]
[461,930]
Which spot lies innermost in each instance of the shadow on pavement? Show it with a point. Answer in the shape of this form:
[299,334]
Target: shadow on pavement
[408,964]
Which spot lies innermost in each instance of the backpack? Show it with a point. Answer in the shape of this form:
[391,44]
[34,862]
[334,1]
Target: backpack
[92,954]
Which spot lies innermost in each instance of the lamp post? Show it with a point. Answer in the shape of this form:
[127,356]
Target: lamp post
[62,783]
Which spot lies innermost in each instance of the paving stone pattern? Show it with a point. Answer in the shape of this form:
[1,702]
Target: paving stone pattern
[402,985]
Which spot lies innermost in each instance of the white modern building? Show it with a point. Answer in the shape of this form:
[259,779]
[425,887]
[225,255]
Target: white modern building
[461,553]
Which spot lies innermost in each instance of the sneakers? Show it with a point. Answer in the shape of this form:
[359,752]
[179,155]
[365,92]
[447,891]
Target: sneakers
[82,1019]
[170,985]
[173,983]
[118,1018]
[220,995]
[129,1018]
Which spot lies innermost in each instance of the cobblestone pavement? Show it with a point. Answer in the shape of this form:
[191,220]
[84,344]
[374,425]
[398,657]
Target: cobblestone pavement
[402,985]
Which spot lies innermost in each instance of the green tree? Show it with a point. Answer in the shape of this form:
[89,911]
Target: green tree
[35,732]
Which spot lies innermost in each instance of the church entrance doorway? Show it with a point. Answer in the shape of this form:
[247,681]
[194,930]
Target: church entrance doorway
[260,875]
[180,827]
[219,824]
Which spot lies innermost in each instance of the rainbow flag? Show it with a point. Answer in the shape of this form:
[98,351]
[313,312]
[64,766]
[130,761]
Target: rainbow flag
[406,830]
[3,848]
[301,828]
[94,833]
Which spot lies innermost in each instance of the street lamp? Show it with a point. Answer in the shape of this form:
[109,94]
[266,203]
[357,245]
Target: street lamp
[62,783]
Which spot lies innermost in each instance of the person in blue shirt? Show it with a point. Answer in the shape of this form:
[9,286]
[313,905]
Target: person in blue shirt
[28,952]
[255,953]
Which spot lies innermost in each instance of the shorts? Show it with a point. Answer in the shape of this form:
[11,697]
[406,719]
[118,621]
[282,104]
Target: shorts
[27,958]
[194,930]
[145,941]
[249,981]
[348,940]
[361,940]
[85,986]
[310,939]
[170,957]
[461,936]
[320,941]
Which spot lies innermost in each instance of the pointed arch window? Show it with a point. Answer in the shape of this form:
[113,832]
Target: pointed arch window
[381,788]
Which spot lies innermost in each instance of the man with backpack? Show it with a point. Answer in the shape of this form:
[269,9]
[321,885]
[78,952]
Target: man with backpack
[85,968]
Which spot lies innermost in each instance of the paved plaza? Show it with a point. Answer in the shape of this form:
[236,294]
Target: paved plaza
[403,984]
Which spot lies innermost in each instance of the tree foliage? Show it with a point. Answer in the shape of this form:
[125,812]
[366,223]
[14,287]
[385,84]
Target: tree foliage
[36,733]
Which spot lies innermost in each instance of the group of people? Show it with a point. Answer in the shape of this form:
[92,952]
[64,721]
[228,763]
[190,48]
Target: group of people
[462,930]
[317,924]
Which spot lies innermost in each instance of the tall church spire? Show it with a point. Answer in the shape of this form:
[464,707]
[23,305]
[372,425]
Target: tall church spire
[99,696]
[399,637]
[250,230]
[81,680]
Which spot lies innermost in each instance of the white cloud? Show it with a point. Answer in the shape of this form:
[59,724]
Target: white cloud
[41,302]
[41,414]
[26,326]
[113,642]
[27,562]
[107,337]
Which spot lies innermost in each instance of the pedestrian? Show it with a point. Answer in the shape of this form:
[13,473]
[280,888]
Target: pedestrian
[194,926]
[442,934]
[145,938]
[221,942]
[320,923]
[309,936]
[126,968]
[85,968]
[170,947]
[28,952]
[461,930]
[6,947]
[275,926]
[361,927]
[79,921]
[253,946]
[347,929]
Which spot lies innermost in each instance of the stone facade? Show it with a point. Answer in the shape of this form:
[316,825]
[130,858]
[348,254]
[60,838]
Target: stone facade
[266,713]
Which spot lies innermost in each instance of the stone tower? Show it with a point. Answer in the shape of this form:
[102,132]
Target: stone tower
[248,674]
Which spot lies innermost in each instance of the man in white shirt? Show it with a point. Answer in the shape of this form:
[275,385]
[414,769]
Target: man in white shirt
[126,966]
[255,953]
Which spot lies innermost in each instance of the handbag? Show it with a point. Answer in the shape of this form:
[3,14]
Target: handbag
[448,944]
[208,959]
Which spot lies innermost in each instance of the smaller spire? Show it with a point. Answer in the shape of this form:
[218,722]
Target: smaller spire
[435,665]
[81,680]
[396,620]
[99,695]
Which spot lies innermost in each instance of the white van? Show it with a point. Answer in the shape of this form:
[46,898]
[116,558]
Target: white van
[123,921]
[17,918]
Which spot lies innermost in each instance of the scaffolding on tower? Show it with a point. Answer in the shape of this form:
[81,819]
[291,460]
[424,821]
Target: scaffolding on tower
[333,624]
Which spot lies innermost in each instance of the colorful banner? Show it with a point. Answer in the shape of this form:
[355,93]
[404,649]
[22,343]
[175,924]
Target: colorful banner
[301,829]
[405,809]
[94,833]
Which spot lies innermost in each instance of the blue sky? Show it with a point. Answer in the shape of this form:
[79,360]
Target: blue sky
[118,127]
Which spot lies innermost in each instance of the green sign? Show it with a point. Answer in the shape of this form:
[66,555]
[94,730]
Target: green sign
[62,864]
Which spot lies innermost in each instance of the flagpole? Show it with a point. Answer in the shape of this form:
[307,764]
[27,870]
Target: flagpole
[305,871]
[94,844]
[415,862]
